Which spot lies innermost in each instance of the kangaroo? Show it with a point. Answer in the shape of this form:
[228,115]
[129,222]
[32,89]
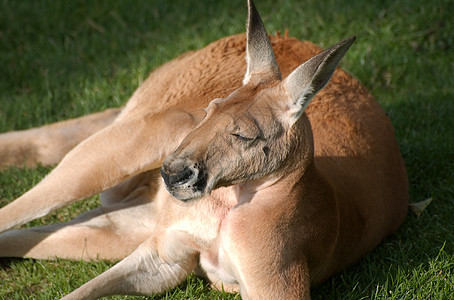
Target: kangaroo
[265,183]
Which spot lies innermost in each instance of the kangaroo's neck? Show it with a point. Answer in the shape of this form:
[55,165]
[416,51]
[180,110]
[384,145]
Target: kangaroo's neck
[300,155]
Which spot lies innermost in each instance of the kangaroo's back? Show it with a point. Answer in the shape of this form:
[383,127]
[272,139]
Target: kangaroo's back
[192,80]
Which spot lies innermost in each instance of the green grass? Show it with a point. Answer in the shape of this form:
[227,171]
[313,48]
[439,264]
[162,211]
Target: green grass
[62,59]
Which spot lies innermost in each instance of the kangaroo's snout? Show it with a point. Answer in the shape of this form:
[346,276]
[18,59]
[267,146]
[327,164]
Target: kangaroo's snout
[178,179]
[183,180]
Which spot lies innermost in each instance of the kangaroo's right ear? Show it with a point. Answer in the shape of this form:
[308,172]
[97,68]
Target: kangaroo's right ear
[309,78]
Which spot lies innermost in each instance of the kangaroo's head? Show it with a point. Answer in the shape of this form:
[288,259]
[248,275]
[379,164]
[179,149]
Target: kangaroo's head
[256,131]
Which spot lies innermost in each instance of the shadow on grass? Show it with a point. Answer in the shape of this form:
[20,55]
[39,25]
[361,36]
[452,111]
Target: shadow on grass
[7,262]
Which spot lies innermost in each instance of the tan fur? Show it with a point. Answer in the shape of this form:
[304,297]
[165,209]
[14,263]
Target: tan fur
[332,187]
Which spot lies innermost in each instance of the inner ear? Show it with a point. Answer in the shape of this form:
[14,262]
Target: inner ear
[309,78]
[261,63]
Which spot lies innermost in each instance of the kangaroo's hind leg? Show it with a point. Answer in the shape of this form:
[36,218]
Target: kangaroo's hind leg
[48,144]
[111,232]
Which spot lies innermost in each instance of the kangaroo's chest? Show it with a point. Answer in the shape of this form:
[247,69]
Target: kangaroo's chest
[221,260]
[207,228]
[218,265]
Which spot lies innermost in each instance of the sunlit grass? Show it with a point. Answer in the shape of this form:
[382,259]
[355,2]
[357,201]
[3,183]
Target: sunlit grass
[62,59]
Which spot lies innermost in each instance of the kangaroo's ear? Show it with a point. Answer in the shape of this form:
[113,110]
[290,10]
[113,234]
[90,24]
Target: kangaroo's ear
[309,78]
[261,63]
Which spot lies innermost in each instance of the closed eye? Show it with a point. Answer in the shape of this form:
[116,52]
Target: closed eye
[243,138]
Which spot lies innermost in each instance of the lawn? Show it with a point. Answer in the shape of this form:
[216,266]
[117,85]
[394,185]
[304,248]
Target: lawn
[63,59]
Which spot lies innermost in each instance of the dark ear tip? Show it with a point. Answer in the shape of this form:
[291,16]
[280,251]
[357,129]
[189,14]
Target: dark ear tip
[349,41]
[342,46]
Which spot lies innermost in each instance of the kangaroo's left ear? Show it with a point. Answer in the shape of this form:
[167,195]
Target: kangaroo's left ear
[309,78]
[261,63]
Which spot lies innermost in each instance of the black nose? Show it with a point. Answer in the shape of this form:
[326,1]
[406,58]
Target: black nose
[178,179]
